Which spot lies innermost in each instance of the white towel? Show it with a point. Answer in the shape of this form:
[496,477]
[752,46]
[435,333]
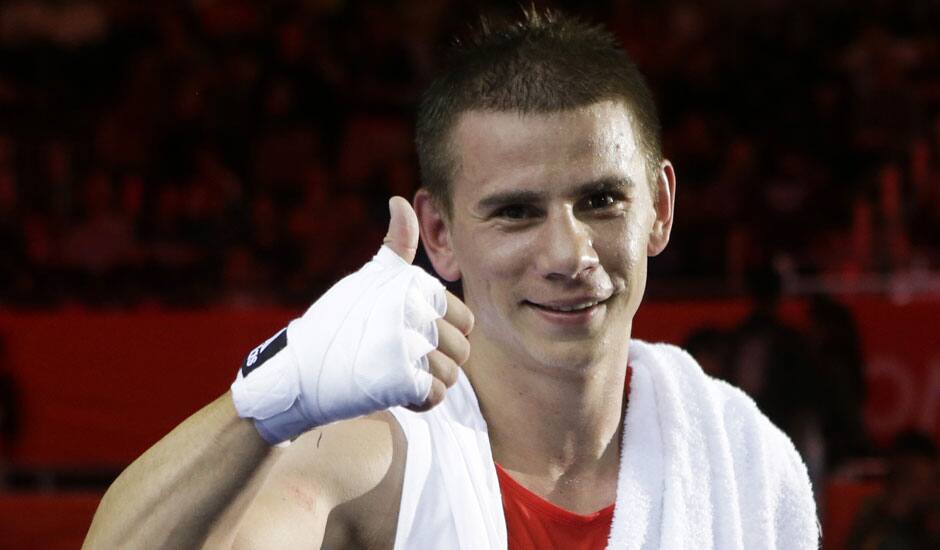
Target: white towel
[702,468]
[450,496]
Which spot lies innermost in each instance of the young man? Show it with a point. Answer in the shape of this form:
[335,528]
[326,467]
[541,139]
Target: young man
[544,193]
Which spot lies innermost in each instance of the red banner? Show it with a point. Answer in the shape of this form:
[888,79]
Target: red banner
[99,388]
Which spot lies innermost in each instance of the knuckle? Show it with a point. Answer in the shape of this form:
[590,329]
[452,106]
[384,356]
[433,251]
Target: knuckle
[463,352]
[444,370]
[471,321]
[437,395]
[450,376]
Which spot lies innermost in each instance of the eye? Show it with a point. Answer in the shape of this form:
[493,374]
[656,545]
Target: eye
[513,212]
[600,200]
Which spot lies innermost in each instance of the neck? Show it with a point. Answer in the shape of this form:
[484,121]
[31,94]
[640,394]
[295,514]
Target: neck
[548,423]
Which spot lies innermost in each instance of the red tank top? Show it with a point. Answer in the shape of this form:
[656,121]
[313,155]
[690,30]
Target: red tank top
[533,523]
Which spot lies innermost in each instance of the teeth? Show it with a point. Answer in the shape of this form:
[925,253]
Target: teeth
[577,307]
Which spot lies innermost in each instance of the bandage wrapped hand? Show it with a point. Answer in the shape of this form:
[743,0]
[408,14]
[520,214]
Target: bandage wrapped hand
[386,335]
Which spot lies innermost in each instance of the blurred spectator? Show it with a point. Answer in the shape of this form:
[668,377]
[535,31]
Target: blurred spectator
[66,23]
[904,515]
[770,360]
[383,75]
[711,347]
[9,415]
[174,259]
[101,246]
[836,348]
[771,363]
[799,131]
[12,243]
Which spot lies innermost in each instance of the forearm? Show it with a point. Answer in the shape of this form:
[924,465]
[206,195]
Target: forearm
[171,496]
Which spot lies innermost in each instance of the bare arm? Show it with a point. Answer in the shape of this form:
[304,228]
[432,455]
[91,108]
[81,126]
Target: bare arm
[338,486]
[173,493]
[193,487]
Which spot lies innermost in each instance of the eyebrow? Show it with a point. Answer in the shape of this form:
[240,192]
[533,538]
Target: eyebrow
[497,200]
[608,184]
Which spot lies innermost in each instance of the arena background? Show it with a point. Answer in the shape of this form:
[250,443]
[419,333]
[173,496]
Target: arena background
[179,179]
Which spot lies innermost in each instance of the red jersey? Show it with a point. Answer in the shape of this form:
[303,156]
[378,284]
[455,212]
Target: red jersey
[533,523]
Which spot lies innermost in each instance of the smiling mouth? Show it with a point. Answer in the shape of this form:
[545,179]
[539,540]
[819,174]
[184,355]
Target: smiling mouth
[568,307]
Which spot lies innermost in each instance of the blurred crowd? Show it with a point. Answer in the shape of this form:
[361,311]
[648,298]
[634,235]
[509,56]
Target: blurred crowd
[810,381]
[241,152]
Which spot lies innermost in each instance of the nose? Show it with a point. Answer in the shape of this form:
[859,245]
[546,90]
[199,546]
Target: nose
[566,247]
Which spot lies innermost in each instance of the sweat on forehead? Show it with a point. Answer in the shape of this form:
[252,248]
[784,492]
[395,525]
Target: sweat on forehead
[545,62]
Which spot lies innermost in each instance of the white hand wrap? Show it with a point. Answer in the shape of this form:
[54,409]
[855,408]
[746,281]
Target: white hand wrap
[362,347]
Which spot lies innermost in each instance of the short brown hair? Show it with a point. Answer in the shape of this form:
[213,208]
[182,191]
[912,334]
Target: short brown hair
[545,62]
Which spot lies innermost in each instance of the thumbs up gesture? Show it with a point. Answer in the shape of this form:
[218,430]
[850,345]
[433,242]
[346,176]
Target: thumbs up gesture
[453,349]
[386,335]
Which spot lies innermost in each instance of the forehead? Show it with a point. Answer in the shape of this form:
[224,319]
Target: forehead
[498,150]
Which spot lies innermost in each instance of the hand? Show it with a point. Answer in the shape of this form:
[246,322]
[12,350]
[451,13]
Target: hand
[453,348]
[386,335]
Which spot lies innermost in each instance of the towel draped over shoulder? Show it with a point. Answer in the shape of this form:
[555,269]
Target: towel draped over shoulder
[701,468]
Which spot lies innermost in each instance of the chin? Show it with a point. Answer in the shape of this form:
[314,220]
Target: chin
[576,356]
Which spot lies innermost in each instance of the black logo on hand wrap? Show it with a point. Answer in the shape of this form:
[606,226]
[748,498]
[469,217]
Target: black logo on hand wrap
[265,351]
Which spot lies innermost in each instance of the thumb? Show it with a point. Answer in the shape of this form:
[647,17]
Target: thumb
[402,236]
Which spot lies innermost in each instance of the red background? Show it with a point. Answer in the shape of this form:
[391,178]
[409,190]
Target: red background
[99,388]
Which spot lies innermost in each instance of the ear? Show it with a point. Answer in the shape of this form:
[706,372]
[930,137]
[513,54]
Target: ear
[663,204]
[435,235]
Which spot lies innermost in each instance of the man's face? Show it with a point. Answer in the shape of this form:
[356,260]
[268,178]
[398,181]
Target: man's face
[551,228]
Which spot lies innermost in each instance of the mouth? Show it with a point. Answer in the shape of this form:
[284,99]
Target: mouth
[574,312]
[569,306]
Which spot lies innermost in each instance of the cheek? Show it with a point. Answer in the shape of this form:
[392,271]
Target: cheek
[490,264]
[623,245]
[635,247]
[635,258]
[638,230]
[506,256]
[624,260]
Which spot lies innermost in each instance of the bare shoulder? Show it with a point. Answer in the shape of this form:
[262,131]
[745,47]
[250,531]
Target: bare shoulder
[338,486]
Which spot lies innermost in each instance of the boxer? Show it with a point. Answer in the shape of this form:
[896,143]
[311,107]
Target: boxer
[544,191]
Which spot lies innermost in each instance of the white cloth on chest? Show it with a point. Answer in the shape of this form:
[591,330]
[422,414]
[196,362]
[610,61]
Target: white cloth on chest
[701,469]
[450,496]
